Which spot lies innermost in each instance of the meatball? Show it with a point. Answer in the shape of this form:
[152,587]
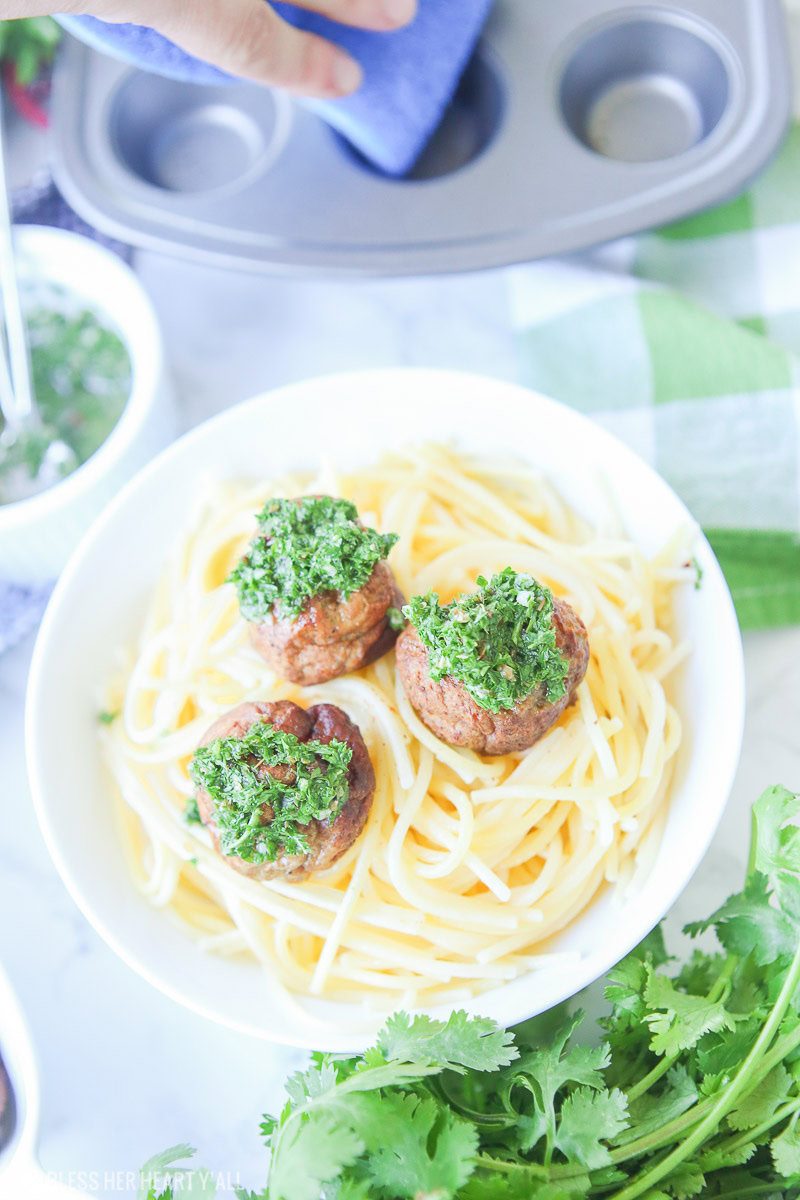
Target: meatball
[450,712]
[327,840]
[332,636]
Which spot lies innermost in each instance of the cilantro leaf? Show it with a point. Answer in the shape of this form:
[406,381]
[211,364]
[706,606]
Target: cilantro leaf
[544,1072]
[719,1054]
[652,948]
[460,1043]
[748,923]
[415,1146]
[785,1150]
[651,1112]
[162,1171]
[587,1117]
[776,819]
[760,1104]
[348,1189]
[679,1020]
[700,972]
[686,1181]
[626,985]
[554,1065]
[317,1081]
[319,1147]
[626,1030]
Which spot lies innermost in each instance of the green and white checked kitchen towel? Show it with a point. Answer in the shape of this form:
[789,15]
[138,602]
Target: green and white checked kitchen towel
[685,342]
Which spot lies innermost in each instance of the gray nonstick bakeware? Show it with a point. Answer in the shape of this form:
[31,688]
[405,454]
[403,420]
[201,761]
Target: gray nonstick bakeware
[574,123]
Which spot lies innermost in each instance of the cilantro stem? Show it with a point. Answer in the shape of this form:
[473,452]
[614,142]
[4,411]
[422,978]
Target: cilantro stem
[752,856]
[727,1098]
[662,1067]
[508,1168]
[757,1189]
[783,1046]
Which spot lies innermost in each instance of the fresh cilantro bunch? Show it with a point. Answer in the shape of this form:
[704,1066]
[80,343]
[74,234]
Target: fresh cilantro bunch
[498,642]
[304,547]
[231,771]
[693,1088]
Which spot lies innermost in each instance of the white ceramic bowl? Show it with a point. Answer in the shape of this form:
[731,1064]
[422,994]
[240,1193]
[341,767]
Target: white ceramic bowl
[38,535]
[99,603]
[20,1173]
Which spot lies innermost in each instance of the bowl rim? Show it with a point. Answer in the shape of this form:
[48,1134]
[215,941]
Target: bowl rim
[141,336]
[325,1038]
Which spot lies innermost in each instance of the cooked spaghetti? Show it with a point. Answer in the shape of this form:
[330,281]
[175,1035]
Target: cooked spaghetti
[468,865]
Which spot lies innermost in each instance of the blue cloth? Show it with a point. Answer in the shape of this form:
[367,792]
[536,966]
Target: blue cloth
[21,610]
[409,75]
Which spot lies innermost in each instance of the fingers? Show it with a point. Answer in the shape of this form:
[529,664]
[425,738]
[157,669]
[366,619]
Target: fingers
[13,9]
[260,45]
[246,38]
[366,14]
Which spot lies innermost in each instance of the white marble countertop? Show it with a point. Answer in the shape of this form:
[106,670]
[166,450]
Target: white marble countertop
[125,1071]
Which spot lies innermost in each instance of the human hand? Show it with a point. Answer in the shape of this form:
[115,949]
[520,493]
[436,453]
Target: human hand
[247,37]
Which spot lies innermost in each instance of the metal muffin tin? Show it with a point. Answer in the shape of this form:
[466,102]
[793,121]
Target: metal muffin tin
[574,123]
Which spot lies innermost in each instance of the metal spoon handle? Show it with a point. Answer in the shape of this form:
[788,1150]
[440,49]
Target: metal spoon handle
[8,405]
[24,409]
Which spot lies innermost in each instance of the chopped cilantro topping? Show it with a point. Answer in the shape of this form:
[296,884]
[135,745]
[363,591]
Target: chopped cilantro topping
[498,642]
[304,547]
[698,583]
[106,717]
[191,814]
[231,771]
[395,618]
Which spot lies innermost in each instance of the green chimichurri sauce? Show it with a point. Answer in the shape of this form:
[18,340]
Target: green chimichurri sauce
[231,771]
[498,642]
[304,547]
[81,375]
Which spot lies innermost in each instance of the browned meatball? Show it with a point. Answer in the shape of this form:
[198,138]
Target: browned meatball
[332,636]
[451,713]
[327,841]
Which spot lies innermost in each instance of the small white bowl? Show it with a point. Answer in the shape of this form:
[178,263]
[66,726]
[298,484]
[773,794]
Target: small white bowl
[99,604]
[38,535]
[20,1173]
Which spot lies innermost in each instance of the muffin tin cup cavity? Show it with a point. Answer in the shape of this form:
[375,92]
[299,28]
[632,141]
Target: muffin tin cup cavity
[187,138]
[645,89]
[470,123]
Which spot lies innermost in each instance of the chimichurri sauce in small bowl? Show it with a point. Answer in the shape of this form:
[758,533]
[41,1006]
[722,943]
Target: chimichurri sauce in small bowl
[7,1108]
[81,376]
